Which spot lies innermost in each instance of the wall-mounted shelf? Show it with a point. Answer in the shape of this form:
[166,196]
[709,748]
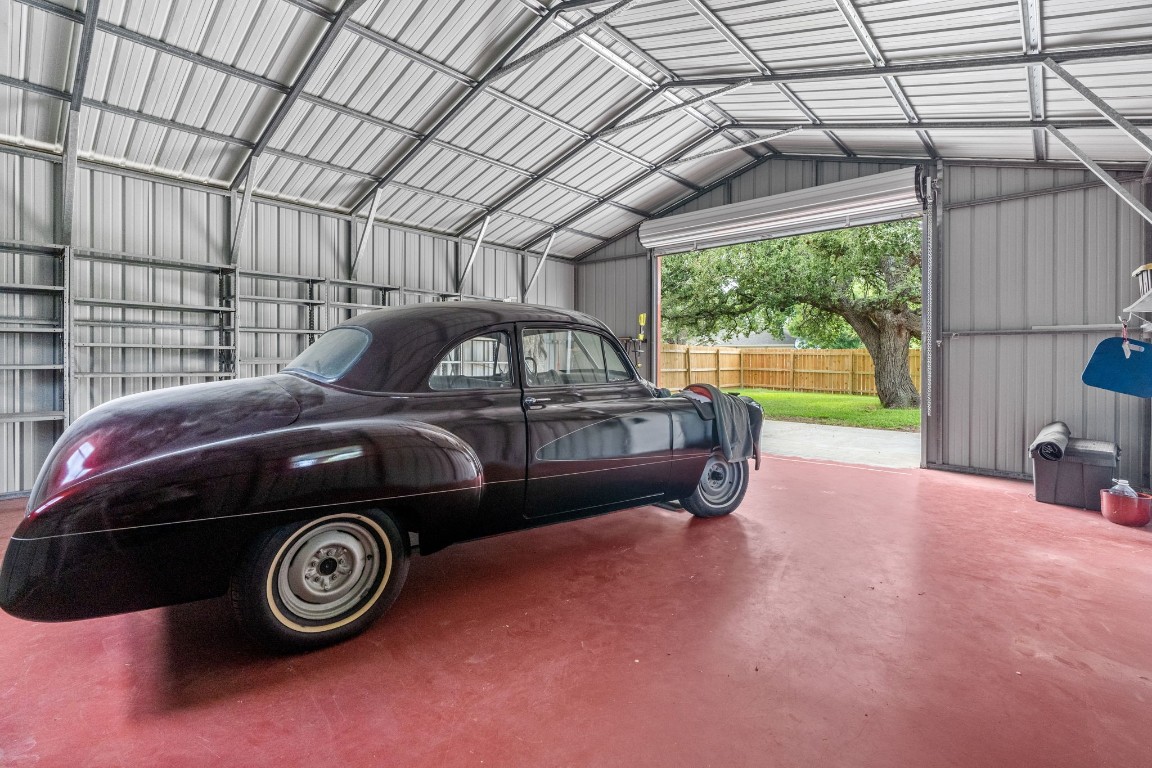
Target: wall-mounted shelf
[151,305]
[34,296]
[155,375]
[29,329]
[22,288]
[275,331]
[29,416]
[107,339]
[268,289]
[355,297]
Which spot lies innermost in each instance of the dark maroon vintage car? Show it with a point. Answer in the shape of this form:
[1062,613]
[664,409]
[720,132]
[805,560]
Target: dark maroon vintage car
[301,494]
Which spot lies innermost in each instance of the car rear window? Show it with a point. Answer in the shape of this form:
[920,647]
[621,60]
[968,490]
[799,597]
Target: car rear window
[333,353]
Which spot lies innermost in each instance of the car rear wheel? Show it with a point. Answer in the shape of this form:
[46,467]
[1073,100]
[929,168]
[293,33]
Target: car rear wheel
[307,585]
[720,490]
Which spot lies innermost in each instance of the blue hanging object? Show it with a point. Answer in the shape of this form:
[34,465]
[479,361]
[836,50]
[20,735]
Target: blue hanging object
[1121,365]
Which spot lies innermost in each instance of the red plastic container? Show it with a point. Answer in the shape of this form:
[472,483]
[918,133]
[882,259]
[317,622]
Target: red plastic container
[1125,510]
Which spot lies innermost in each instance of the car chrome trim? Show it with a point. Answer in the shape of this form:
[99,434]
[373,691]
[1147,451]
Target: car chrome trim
[244,514]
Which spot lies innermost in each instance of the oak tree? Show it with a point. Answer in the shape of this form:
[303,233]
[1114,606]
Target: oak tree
[812,286]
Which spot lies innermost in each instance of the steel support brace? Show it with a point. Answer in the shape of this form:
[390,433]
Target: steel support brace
[472,256]
[242,217]
[539,267]
[1103,108]
[1103,175]
[366,235]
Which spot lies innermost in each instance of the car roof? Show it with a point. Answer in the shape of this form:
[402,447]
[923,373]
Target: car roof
[408,341]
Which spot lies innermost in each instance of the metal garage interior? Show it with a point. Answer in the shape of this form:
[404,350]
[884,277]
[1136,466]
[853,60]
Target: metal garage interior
[191,191]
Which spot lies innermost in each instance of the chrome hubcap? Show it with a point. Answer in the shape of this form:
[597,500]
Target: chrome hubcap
[720,482]
[328,569]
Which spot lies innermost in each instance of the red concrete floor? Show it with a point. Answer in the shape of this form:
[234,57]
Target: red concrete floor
[843,616]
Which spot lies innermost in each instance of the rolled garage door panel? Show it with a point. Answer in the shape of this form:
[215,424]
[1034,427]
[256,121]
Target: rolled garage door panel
[866,200]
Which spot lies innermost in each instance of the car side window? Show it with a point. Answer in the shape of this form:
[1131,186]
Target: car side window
[561,357]
[481,362]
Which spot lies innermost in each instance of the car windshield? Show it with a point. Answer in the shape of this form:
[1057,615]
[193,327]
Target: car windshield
[333,353]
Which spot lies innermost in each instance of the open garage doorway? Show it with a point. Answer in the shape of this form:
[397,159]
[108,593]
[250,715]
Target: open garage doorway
[819,321]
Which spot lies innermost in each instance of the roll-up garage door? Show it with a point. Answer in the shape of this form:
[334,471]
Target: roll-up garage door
[866,200]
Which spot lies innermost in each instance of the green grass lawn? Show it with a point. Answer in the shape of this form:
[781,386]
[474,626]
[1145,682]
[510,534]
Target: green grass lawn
[841,410]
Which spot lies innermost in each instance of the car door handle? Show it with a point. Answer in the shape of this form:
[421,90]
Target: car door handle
[536,403]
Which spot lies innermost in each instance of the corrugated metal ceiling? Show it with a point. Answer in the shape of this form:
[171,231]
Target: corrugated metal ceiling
[190,88]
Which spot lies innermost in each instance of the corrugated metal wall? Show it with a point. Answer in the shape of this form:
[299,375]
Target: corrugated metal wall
[26,215]
[120,347]
[1049,258]
[1060,258]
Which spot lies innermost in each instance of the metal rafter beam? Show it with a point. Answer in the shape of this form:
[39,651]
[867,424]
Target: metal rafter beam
[742,48]
[542,174]
[672,205]
[617,61]
[310,66]
[615,125]
[84,55]
[872,50]
[734,40]
[157,45]
[618,126]
[132,114]
[1103,175]
[551,45]
[544,14]
[1032,37]
[861,32]
[1114,117]
[195,58]
[453,111]
[944,125]
[43,90]
[929,67]
[228,139]
[413,55]
[753,142]
[72,126]
[622,188]
[357,115]
[488,212]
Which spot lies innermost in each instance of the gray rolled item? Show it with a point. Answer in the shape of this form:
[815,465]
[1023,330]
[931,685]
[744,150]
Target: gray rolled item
[1051,443]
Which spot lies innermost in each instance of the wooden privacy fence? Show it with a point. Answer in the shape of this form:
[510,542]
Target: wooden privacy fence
[834,371]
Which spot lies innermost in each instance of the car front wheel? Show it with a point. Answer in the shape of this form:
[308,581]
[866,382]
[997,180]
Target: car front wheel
[720,490]
[312,584]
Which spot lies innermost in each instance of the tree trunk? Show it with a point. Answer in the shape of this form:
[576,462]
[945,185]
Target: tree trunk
[886,338]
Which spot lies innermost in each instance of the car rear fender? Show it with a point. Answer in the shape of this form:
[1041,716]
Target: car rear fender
[426,475]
